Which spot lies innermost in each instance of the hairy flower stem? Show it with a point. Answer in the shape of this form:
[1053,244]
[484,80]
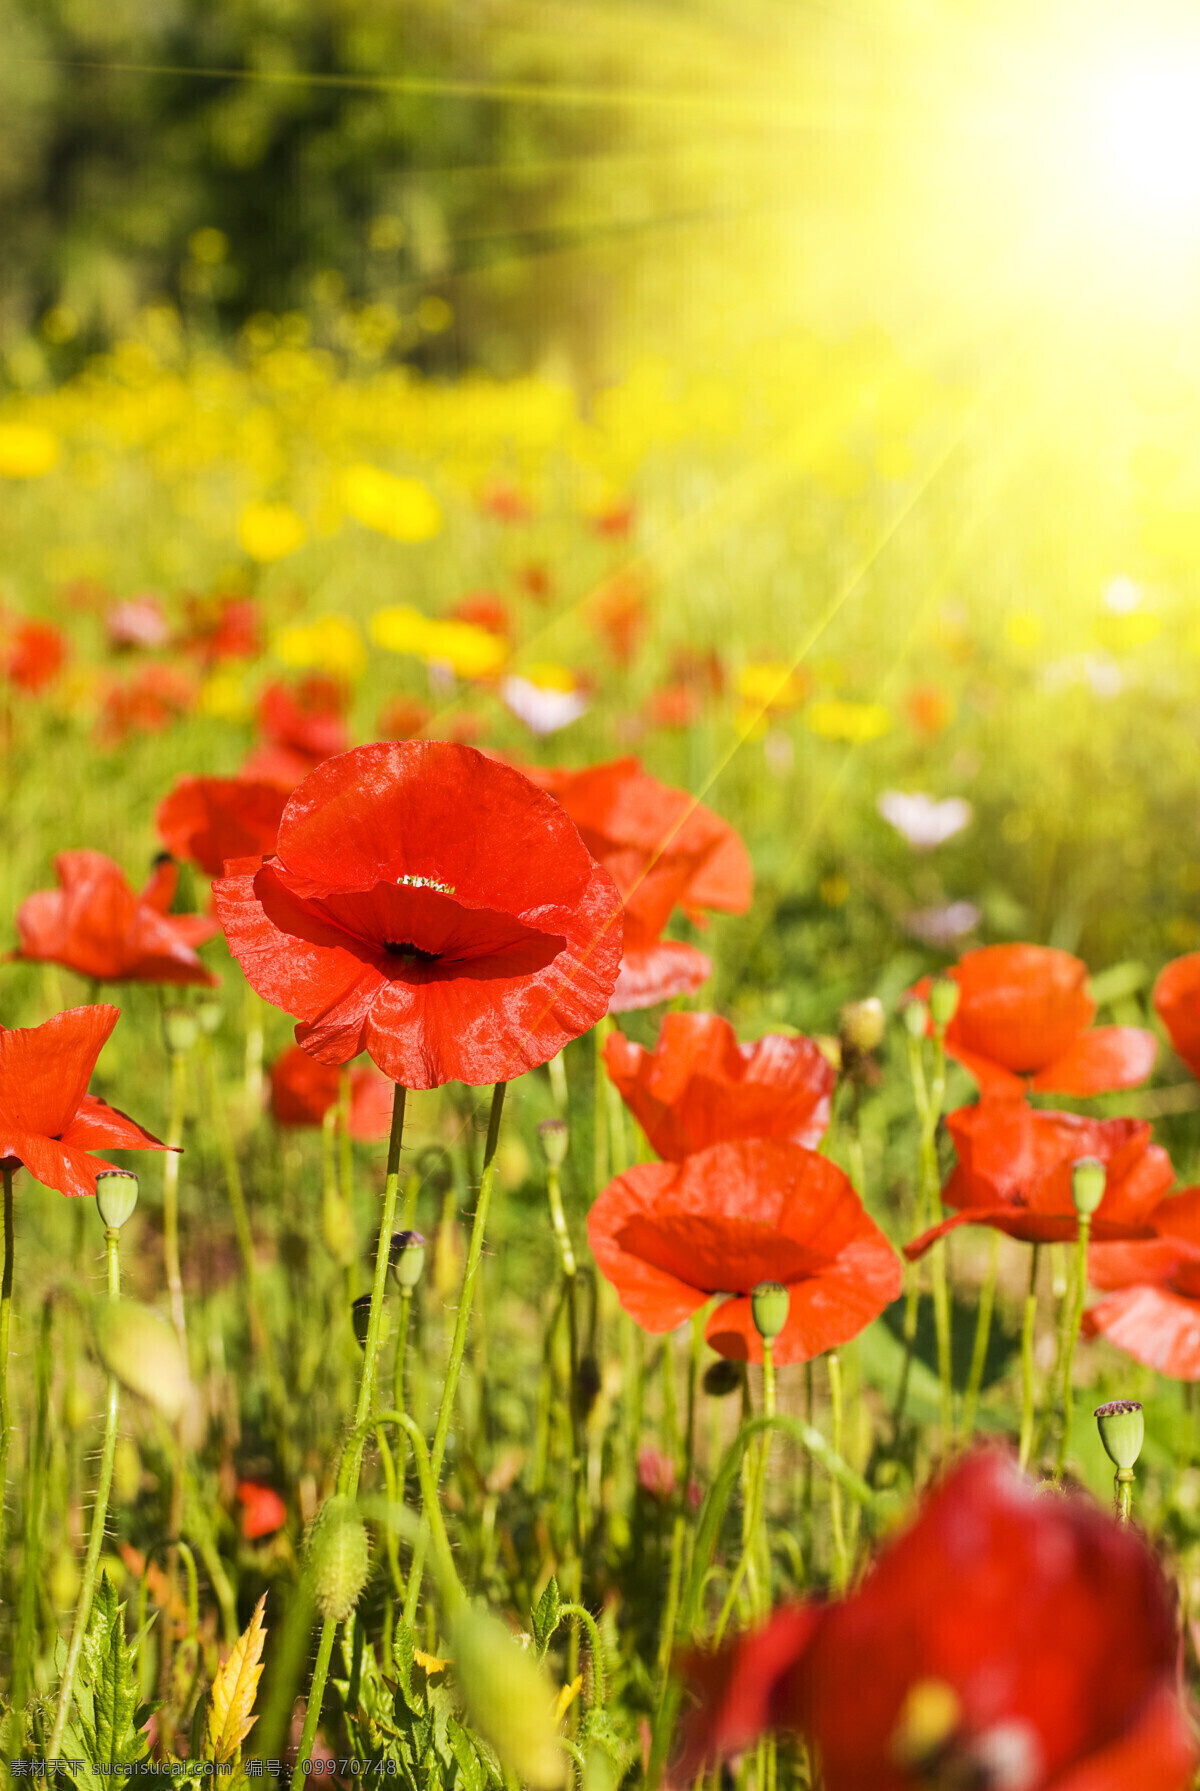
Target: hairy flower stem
[458,1346]
[1123,1494]
[26,1642]
[929,1097]
[1071,1319]
[87,1587]
[983,1331]
[1027,1329]
[752,1519]
[171,1195]
[6,1287]
[841,1557]
[253,1060]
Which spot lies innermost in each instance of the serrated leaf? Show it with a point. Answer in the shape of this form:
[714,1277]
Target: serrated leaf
[234,1690]
[105,1728]
[545,1618]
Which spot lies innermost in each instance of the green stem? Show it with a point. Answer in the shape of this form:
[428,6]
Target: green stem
[983,1331]
[1123,1494]
[841,1559]
[558,1220]
[752,1525]
[367,1383]
[589,1623]
[398,1396]
[253,1062]
[171,1195]
[91,1563]
[6,1287]
[26,1643]
[1074,1300]
[1027,1329]
[458,1346]
[316,1695]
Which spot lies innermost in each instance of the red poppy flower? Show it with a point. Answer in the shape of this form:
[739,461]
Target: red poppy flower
[484,609]
[700,1087]
[1177,999]
[401,717]
[223,627]
[35,654]
[147,704]
[94,923]
[1024,1012]
[1014,1173]
[210,819]
[301,729]
[619,610]
[663,849]
[263,1511]
[48,1120]
[428,905]
[303,1091]
[1153,1308]
[670,1235]
[1007,1640]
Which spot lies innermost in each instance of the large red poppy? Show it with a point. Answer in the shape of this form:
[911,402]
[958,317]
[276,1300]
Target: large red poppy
[1014,1173]
[96,924]
[303,1091]
[48,1120]
[1177,998]
[428,905]
[669,1236]
[1007,1640]
[664,850]
[210,819]
[700,1087]
[1024,1014]
[1153,1307]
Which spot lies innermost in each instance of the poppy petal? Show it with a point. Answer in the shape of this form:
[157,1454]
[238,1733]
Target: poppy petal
[1107,1057]
[57,1164]
[97,1126]
[1177,1001]
[45,1070]
[303,974]
[1154,1325]
[658,972]
[1158,1753]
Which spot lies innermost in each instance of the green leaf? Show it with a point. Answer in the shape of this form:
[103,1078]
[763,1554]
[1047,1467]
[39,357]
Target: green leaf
[106,1725]
[546,1617]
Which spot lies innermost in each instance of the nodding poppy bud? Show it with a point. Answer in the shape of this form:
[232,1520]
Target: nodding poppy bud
[555,1139]
[1122,1428]
[916,1018]
[1088,1177]
[116,1196]
[722,1378]
[180,1030]
[142,1351]
[209,1015]
[338,1558]
[769,1304]
[943,1000]
[360,1317]
[406,1258]
[861,1024]
[587,1385]
[435,1169]
[509,1698]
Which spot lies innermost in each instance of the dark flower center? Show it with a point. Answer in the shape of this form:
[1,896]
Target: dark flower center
[411,954]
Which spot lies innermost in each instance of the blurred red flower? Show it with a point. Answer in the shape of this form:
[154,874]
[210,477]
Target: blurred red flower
[301,729]
[209,819]
[928,708]
[96,924]
[1153,1308]
[147,704]
[1177,999]
[536,581]
[138,622]
[484,609]
[1007,1639]
[700,1087]
[303,1091]
[1014,1173]
[615,520]
[620,612]
[401,717]
[427,905]
[34,654]
[506,501]
[223,627]
[1024,1012]
[669,1236]
[263,1511]
[674,706]
[48,1120]
[663,849]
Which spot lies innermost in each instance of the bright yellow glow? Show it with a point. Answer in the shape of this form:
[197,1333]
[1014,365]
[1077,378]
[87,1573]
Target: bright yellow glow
[1146,120]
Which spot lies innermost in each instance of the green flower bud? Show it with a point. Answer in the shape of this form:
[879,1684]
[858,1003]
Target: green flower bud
[338,1558]
[943,1000]
[555,1139]
[116,1196]
[406,1258]
[143,1351]
[209,1014]
[181,1029]
[916,1018]
[861,1025]
[722,1378]
[1088,1177]
[435,1169]
[769,1303]
[509,1699]
[1122,1430]
[337,1229]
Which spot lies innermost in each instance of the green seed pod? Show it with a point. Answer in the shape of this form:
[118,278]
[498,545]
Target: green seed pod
[142,1350]
[1088,1177]
[1122,1428]
[861,1025]
[406,1258]
[555,1140]
[209,1014]
[943,1000]
[116,1196]
[722,1378]
[337,1229]
[181,1029]
[508,1698]
[915,1015]
[338,1558]
[769,1303]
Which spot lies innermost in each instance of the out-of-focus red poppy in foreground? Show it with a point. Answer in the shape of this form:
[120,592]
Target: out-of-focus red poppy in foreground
[1024,1013]
[48,1120]
[668,1236]
[96,924]
[1177,999]
[700,1087]
[1012,1639]
[428,905]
